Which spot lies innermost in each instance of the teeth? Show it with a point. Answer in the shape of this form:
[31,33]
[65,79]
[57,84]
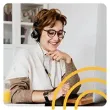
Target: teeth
[53,43]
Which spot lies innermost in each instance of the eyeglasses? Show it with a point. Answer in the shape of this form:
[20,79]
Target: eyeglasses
[51,33]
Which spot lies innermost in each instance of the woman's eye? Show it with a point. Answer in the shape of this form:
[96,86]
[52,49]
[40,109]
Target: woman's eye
[51,32]
[60,33]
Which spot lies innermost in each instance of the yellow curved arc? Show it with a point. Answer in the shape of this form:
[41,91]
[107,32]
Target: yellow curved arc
[87,92]
[79,83]
[69,76]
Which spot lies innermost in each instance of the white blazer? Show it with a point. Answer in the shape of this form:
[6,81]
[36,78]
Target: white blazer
[29,63]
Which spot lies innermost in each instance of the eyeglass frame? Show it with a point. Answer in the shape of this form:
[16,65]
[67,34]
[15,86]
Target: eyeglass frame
[55,33]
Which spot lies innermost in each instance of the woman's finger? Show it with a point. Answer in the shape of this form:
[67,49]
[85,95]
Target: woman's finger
[52,55]
[50,52]
[66,87]
[55,57]
[66,84]
[58,58]
[65,91]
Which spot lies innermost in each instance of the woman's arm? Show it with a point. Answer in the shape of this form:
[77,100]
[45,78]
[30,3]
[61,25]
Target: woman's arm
[70,67]
[20,89]
[21,92]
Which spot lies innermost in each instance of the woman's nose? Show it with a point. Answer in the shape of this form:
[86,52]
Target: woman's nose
[56,37]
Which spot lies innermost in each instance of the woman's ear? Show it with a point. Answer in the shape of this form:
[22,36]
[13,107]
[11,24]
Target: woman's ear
[35,34]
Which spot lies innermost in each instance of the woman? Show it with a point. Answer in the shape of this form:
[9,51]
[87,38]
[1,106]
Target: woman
[37,72]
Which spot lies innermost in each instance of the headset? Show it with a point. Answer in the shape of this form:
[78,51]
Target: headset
[36,34]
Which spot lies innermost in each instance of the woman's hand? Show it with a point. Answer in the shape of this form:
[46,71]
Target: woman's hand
[63,91]
[57,55]
[65,88]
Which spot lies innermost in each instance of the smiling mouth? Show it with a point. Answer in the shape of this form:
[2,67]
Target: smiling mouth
[53,43]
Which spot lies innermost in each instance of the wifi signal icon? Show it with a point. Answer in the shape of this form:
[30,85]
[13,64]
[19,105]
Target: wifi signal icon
[79,83]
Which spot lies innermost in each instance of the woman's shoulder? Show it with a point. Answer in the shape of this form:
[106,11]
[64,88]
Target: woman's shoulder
[26,52]
[21,52]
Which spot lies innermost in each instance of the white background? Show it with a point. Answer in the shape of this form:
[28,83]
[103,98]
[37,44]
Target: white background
[1,56]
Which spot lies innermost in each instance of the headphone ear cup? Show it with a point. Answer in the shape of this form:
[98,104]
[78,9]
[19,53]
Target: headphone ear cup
[35,34]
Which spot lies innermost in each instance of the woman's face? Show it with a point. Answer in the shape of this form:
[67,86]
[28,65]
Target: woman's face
[51,37]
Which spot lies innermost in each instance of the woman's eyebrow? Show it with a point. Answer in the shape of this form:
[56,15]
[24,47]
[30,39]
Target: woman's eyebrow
[55,29]
[61,30]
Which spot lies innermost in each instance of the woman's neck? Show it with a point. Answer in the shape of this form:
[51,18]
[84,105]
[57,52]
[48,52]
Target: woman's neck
[43,49]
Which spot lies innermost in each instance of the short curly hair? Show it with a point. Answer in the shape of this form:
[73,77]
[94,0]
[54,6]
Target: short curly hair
[47,17]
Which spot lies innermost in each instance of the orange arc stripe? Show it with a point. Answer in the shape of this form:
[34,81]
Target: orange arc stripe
[87,92]
[69,76]
[79,83]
